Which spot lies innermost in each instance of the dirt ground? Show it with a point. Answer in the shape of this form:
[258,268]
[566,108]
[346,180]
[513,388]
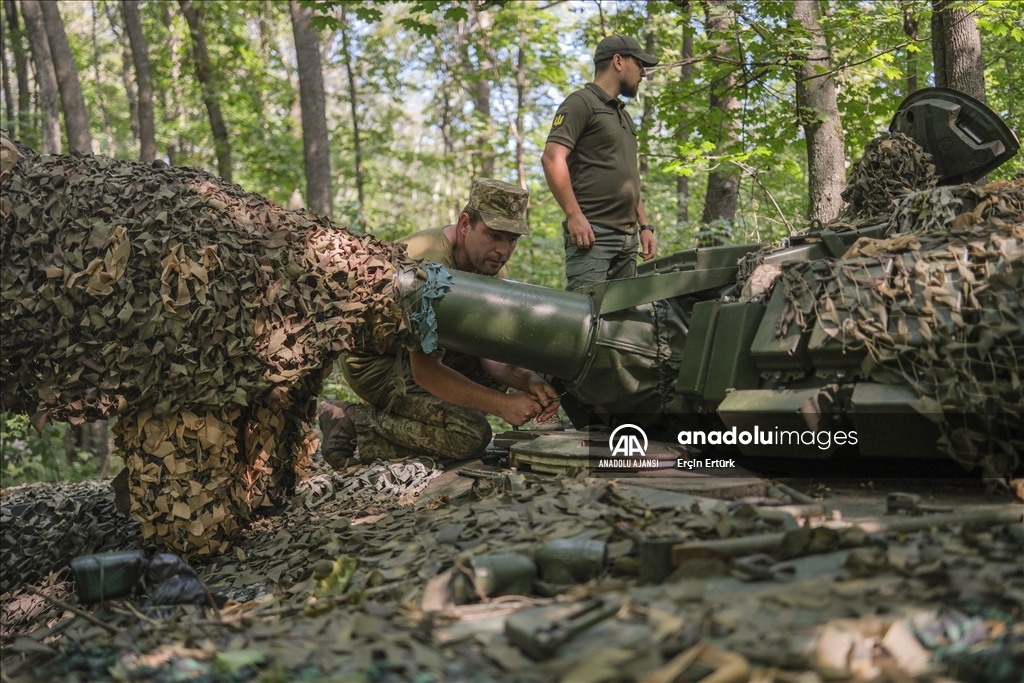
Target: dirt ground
[376,574]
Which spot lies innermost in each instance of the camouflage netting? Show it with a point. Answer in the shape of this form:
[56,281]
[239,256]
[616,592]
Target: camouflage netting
[203,316]
[892,167]
[938,303]
[46,524]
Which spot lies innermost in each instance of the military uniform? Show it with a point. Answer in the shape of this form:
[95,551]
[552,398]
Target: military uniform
[605,177]
[400,419]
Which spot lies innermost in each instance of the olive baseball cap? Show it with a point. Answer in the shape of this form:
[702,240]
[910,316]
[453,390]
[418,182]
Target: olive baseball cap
[501,205]
[618,44]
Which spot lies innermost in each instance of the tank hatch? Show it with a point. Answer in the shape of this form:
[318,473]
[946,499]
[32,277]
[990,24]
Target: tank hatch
[966,139]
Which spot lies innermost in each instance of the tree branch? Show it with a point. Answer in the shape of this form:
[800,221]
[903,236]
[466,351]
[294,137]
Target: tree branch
[91,618]
[754,174]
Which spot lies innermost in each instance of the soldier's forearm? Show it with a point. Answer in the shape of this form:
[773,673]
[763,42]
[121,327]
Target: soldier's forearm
[449,385]
[509,375]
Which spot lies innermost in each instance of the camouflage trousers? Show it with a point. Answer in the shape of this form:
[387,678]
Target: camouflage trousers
[420,424]
[611,257]
[407,421]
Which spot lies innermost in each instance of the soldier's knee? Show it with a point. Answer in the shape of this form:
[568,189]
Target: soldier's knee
[471,436]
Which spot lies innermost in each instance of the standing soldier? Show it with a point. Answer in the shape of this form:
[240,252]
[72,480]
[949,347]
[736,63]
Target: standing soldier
[590,163]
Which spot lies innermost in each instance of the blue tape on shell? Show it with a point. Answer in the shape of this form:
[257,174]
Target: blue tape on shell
[439,283]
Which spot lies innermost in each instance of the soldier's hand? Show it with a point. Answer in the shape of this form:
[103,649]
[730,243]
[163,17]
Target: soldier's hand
[544,394]
[648,245]
[580,232]
[519,409]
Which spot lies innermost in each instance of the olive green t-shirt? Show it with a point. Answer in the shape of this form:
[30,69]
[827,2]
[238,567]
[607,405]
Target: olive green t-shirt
[603,159]
[373,376]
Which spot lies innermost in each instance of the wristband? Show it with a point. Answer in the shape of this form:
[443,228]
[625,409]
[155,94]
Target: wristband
[646,227]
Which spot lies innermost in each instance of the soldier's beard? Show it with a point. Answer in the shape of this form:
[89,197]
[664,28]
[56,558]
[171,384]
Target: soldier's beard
[627,89]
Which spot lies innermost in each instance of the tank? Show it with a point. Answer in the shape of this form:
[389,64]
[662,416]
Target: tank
[903,329]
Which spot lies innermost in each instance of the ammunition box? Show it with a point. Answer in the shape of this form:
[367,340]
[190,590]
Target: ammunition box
[107,576]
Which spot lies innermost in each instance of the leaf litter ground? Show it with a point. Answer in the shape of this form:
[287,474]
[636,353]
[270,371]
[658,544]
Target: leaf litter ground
[946,602]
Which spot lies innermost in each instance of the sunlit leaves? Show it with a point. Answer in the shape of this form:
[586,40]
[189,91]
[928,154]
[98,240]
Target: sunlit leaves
[325,12]
[422,16]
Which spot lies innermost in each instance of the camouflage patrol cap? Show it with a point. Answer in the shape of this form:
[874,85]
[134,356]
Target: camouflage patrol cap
[502,206]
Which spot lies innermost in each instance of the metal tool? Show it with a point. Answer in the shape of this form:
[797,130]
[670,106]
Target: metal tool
[539,632]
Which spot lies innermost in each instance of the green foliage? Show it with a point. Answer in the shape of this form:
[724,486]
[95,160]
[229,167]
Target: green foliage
[421,16]
[1003,51]
[335,388]
[421,65]
[420,68]
[27,455]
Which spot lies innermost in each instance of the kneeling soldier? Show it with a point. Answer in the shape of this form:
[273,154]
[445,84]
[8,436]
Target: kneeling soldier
[435,404]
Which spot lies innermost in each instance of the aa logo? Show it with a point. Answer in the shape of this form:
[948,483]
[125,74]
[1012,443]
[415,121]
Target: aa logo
[559,118]
[625,441]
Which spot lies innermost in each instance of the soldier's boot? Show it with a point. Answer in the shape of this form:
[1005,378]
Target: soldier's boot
[337,424]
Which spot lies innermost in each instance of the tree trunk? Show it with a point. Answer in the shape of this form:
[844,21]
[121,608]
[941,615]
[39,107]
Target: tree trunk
[265,29]
[131,91]
[353,104]
[723,192]
[956,50]
[910,30]
[648,114]
[88,437]
[72,435]
[722,197]
[447,109]
[140,55]
[126,70]
[482,96]
[1011,103]
[520,101]
[172,109]
[685,78]
[25,131]
[315,148]
[210,99]
[101,442]
[482,105]
[818,114]
[76,116]
[46,77]
[108,135]
[8,95]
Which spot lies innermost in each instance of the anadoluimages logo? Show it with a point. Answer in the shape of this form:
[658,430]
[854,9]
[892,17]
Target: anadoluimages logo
[625,442]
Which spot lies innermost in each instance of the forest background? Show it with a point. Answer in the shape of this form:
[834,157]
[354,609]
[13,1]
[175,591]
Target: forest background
[381,114]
